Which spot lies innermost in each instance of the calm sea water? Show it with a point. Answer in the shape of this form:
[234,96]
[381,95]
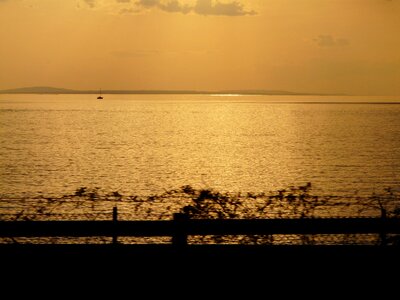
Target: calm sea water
[145,144]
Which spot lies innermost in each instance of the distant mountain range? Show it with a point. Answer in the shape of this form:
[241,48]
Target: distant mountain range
[53,90]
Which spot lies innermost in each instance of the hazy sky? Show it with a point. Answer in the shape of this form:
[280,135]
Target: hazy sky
[330,46]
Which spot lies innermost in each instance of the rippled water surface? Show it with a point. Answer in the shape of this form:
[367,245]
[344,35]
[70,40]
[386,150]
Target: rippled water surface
[144,144]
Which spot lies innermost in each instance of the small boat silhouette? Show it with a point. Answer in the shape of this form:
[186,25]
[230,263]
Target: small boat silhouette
[100,97]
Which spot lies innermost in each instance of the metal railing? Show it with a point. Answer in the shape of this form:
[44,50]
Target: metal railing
[181,227]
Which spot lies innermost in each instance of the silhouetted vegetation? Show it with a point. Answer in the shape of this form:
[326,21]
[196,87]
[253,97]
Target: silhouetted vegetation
[202,203]
[294,202]
[205,203]
[386,203]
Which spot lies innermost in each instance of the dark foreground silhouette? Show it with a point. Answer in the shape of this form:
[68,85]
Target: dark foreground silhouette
[229,267]
[191,257]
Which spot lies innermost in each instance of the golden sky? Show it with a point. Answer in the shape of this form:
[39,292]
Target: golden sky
[327,46]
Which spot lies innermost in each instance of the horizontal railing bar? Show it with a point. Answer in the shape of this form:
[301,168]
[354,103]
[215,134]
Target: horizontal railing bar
[198,227]
[294,226]
[85,228]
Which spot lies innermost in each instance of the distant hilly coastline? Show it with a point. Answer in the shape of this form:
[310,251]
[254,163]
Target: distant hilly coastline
[38,90]
[53,90]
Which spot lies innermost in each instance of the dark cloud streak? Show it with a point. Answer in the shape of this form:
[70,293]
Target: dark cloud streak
[235,8]
[91,3]
[202,7]
[175,6]
[330,41]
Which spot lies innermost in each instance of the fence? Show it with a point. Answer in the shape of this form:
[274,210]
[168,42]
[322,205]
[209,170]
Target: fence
[181,227]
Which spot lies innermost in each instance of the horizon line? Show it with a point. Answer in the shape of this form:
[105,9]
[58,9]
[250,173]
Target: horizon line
[53,90]
[250,92]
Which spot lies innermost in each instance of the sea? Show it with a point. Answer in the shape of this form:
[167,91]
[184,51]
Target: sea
[146,144]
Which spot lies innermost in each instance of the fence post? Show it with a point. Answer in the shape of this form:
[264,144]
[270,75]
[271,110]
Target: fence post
[115,220]
[179,238]
[382,235]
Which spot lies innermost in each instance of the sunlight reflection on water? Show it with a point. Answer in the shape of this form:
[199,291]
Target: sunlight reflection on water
[144,144]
